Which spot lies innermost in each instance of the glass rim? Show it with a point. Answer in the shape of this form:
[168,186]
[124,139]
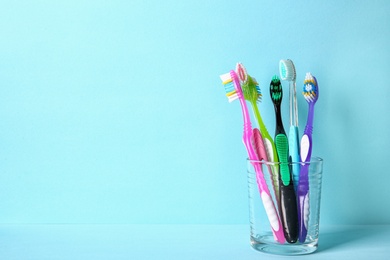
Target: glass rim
[314,159]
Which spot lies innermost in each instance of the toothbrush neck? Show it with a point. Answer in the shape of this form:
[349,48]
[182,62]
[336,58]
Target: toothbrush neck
[279,122]
[257,114]
[245,112]
[293,104]
[310,119]
[246,138]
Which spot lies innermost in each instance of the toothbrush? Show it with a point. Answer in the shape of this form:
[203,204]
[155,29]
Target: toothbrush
[310,93]
[288,72]
[288,203]
[252,93]
[234,91]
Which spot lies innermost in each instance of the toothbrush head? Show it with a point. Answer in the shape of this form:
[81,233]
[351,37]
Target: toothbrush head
[241,72]
[287,70]
[232,85]
[310,88]
[251,90]
[276,90]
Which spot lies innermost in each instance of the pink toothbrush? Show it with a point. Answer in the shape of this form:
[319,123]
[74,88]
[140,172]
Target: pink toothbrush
[234,91]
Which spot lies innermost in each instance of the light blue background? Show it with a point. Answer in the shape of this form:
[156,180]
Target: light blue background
[113,111]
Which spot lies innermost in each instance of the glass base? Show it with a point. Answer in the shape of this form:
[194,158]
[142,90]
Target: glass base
[268,245]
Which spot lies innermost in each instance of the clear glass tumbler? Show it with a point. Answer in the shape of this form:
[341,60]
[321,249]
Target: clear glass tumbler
[262,236]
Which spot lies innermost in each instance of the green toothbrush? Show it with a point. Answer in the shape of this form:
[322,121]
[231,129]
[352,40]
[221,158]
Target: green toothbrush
[252,93]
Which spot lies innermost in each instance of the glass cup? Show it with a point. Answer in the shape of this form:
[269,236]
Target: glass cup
[264,227]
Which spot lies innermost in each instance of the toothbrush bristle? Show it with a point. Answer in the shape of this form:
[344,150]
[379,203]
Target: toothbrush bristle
[259,95]
[276,90]
[241,72]
[287,70]
[228,84]
[226,78]
[258,90]
[310,88]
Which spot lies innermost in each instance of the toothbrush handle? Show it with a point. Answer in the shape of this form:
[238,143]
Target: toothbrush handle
[289,214]
[265,194]
[269,205]
[293,147]
[303,184]
[288,203]
[303,202]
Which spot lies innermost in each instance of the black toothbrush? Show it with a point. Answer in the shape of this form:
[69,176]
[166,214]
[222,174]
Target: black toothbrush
[288,203]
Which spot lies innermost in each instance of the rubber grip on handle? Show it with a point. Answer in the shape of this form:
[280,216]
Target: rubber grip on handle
[273,217]
[269,206]
[281,144]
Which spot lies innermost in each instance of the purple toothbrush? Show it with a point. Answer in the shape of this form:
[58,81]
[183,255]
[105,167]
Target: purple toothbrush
[310,93]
